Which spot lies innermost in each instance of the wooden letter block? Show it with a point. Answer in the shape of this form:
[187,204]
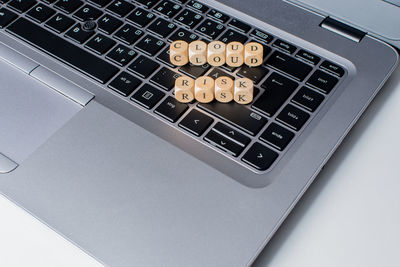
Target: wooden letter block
[184,89]
[253,54]
[204,89]
[224,89]
[198,53]
[234,54]
[216,53]
[243,91]
[178,53]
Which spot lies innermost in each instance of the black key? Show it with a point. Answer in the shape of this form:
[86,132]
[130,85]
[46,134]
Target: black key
[188,18]
[263,36]
[308,57]
[308,99]
[253,73]
[6,16]
[167,8]
[164,58]
[231,133]
[78,35]
[289,65]
[196,122]
[332,68]
[210,28]
[128,34]
[181,1]
[21,5]
[228,68]
[140,17]
[221,17]
[87,12]
[63,50]
[148,3]
[150,45]
[184,35]
[147,96]
[143,66]
[46,1]
[288,48]
[108,24]
[223,143]
[165,78]
[40,13]
[121,55]
[120,8]
[231,35]
[322,81]
[197,6]
[161,27]
[238,115]
[100,44]
[194,71]
[100,3]
[216,72]
[68,6]
[277,136]
[277,91]
[293,117]
[59,23]
[239,25]
[124,84]
[171,109]
[260,157]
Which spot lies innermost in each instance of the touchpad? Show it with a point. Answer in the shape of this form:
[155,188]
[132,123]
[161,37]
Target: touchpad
[30,112]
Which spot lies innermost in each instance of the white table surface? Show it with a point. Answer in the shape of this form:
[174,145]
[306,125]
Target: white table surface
[350,216]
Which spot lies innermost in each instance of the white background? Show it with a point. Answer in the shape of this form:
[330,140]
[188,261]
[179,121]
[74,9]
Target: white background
[349,217]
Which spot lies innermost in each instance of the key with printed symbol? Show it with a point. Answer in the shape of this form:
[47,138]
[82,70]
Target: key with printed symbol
[231,133]
[171,109]
[165,78]
[150,45]
[277,136]
[124,84]
[196,122]
[223,143]
[243,92]
[147,96]
[121,55]
[260,157]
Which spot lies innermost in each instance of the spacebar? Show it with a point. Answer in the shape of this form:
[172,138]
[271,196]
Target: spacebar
[63,50]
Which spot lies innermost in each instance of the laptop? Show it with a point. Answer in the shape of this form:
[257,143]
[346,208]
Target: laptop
[94,144]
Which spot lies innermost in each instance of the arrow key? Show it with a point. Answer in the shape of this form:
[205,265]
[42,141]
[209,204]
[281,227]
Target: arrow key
[223,143]
[259,157]
[196,122]
[231,133]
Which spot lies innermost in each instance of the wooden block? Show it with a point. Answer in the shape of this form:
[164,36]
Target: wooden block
[243,91]
[224,89]
[184,89]
[204,89]
[178,53]
[216,53]
[198,53]
[234,54]
[253,54]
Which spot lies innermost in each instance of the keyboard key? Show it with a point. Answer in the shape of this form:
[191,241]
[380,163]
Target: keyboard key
[223,143]
[322,81]
[239,25]
[143,66]
[148,3]
[121,55]
[21,5]
[289,65]
[59,23]
[231,133]
[161,27]
[221,17]
[197,6]
[150,45]
[87,12]
[68,6]
[124,84]
[165,78]
[194,71]
[308,57]
[63,50]
[120,8]
[288,48]
[263,36]
[308,99]
[100,3]
[236,114]
[100,44]
[188,18]
[231,35]
[78,35]
[260,157]
[277,136]
[171,109]
[40,13]
[210,29]
[253,73]
[196,122]
[184,35]
[167,8]
[147,96]
[46,1]
[108,24]
[140,17]
[293,117]
[6,16]
[128,34]
[332,68]
[164,57]
[216,72]
[277,91]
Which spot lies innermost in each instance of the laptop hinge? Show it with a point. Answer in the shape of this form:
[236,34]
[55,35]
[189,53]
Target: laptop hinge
[342,29]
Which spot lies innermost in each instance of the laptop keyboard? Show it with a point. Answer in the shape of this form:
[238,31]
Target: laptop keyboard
[125,47]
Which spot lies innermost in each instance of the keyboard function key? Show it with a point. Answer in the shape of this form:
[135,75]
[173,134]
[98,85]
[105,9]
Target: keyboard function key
[165,78]
[21,5]
[124,84]
[108,24]
[197,6]
[188,18]
[40,13]
[6,16]
[128,34]
[87,12]
[150,45]
[284,46]
[260,157]
[59,23]
[231,133]
[100,44]
[143,66]
[210,28]
[239,25]
[68,6]
[140,17]
[196,122]
[332,68]
[308,57]
[167,8]
[277,136]
[120,8]
[171,109]
[121,55]
[147,96]
[78,35]
[263,36]
[289,65]
[161,27]
[322,81]
[308,99]
[221,17]
[293,117]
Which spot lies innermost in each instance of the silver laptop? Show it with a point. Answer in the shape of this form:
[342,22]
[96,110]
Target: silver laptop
[93,143]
